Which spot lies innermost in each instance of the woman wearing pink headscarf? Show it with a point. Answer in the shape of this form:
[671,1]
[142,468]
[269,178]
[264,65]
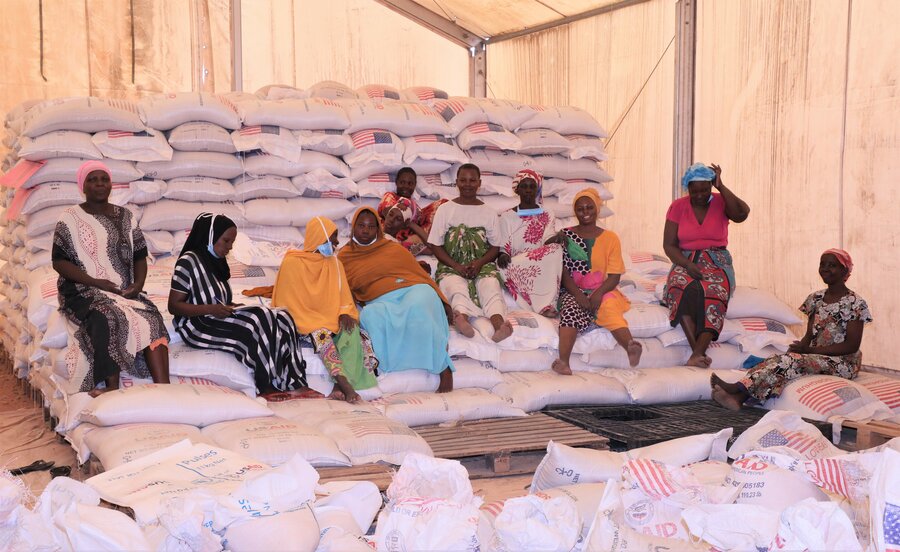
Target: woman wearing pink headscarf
[831,344]
[101,257]
[530,258]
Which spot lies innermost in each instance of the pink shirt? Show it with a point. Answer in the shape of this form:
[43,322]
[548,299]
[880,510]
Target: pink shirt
[693,236]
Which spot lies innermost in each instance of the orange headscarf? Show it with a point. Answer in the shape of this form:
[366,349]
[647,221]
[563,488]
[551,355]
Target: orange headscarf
[382,266]
[591,193]
[313,287]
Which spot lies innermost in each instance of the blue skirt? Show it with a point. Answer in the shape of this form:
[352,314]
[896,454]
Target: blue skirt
[409,331]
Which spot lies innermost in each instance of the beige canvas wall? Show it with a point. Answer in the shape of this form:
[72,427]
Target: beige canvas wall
[357,42]
[600,64]
[811,139]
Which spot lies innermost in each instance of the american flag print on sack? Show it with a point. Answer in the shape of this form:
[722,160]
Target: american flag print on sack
[432,139]
[365,138]
[259,129]
[126,134]
[828,396]
[891,527]
[375,92]
[482,128]
[424,93]
[795,440]
[887,391]
[762,325]
[449,109]
[652,478]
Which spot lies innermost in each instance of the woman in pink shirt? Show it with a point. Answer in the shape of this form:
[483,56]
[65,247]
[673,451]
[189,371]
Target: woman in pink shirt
[702,277]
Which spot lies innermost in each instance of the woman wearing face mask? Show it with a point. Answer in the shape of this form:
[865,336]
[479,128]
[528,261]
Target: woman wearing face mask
[405,312]
[530,258]
[263,339]
[313,287]
[101,257]
[695,239]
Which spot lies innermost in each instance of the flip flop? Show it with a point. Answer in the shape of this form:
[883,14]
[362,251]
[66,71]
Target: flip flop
[60,471]
[37,465]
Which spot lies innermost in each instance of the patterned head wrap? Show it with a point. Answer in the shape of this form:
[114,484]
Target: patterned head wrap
[591,193]
[406,206]
[534,175]
[842,257]
[698,172]
[87,168]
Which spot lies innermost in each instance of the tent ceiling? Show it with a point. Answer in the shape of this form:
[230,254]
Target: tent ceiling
[469,21]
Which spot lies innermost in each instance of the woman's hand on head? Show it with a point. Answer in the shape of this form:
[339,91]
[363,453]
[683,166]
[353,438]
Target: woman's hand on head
[718,180]
[347,322]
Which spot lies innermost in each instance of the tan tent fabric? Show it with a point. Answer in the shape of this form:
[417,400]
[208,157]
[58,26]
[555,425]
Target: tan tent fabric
[770,109]
[600,64]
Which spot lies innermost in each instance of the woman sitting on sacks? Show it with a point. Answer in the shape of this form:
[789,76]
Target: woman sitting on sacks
[831,344]
[530,258]
[592,267]
[702,277]
[101,257]
[464,238]
[404,311]
[402,218]
[263,339]
[313,287]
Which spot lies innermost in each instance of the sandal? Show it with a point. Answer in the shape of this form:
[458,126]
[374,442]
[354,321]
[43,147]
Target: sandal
[37,465]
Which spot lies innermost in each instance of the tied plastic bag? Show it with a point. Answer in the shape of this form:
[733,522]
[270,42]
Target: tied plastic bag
[431,507]
[732,526]
[811,525]
[180,528]
[537,523]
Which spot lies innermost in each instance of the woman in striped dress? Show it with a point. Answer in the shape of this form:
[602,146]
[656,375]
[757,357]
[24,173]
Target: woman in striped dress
[264,339]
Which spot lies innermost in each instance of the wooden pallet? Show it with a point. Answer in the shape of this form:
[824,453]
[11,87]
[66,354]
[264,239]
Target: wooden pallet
[380,474]
[873,433]
[506,445]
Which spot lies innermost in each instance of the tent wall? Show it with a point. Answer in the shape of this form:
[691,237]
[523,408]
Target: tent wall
[800,102]
[356,42]
[601,64]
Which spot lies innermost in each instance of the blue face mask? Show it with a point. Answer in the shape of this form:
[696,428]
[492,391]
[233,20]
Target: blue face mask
[530,212]
[326,249]
[212,251]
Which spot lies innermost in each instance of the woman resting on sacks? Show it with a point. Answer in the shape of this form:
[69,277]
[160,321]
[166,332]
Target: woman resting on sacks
[701,280]
[592,267]
[530,258]
[404,311]
[101,257]
[831,344]
[263,339]
[462,238]
[402,218]
[313,287]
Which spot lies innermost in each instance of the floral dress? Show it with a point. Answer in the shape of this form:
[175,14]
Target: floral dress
[768,378]
[534,271]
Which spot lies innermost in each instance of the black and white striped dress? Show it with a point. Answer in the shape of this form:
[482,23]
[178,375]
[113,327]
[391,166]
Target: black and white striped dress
[264,339]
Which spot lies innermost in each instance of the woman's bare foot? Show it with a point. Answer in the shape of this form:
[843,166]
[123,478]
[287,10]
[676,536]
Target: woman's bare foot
[462,324]
[561,367]
[505,330]
[634,350]
[336,395]
[446,384]
[726,399]
[699,361]
[735,389]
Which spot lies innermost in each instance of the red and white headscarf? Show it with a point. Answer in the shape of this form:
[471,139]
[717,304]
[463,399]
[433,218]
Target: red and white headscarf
[842,257]
[87,168]
[534,175]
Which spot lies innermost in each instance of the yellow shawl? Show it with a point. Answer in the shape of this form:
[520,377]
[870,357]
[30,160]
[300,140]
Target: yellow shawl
[382,266]
[311,286]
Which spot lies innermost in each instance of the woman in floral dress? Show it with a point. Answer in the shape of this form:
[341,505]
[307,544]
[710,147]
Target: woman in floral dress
[831,344]
[530,259]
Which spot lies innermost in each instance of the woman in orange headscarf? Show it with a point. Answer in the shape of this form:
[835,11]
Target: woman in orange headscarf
[592,267]
[313,287]
[405,312]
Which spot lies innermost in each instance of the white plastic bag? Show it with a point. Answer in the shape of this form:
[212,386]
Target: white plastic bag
[537,523]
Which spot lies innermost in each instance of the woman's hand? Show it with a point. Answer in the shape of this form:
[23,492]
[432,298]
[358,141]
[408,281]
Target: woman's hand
[219,310]
[559,238]
[107,286]
[717,183]
[131,292]
[471,270]
[798,347]
[347,322]
[596,299]
[503,260]
[583,301]
[694,271]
